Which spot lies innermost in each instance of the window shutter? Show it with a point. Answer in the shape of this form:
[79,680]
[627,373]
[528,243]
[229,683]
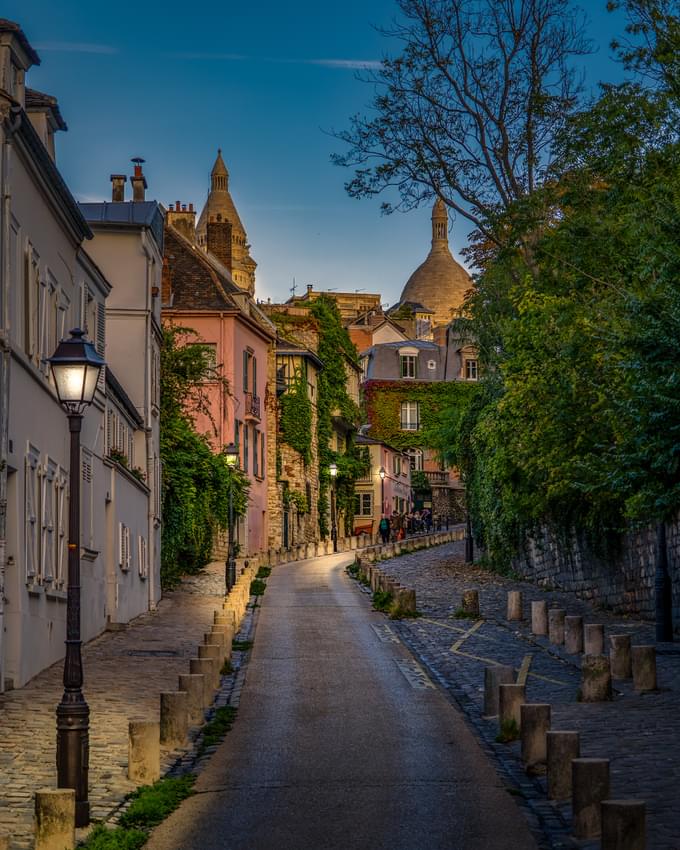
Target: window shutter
[100,343]
[62,498]
[31,515]
[245,371]
[254,375]
[48,537]
[143,557]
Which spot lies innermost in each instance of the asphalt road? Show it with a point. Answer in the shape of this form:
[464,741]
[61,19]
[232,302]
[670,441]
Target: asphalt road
[341,742]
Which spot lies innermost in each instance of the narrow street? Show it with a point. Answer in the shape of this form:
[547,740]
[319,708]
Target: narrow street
[341,740]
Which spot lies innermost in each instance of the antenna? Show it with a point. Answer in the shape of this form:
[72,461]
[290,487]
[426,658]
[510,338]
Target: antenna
[293,288]
[360,290]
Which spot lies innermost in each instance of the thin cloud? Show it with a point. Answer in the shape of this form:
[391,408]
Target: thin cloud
[343,64]
[76,47]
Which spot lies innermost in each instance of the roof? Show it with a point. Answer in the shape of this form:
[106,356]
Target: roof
[9,26]
[424,344]
[363,440]
[132,214]
[415,306]
[123,398]
[285,347]
[39,100]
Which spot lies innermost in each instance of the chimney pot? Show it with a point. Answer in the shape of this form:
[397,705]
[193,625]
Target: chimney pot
[177,205]
[310,286]
[138,180]
[184,207]
[191,207]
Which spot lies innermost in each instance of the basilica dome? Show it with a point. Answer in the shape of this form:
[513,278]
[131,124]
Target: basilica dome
[440,283]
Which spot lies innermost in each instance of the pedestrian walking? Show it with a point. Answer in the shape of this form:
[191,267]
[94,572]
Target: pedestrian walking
[384,529]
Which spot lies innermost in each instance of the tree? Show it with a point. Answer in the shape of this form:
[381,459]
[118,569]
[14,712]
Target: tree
[469,110]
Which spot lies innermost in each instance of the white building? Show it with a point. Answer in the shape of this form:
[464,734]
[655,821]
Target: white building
[48,285]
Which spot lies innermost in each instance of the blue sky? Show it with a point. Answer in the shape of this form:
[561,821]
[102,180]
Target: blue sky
[172,82]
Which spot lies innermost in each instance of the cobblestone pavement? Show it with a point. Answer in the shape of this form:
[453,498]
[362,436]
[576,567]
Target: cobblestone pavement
[637,732]
[124,674]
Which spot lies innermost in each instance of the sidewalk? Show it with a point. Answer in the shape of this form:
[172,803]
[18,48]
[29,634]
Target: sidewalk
[124,674]
[637,732]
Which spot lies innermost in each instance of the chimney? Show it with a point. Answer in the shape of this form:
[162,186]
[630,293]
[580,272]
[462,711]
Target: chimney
[118,188]
[138,180]
[310,287]
[183,220]
[219,240]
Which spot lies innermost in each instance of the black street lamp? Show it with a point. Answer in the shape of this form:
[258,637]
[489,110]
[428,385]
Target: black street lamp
[76,367]
[333,469]
[232,454]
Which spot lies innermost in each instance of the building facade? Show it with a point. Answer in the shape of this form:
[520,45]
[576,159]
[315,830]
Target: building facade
[385,489]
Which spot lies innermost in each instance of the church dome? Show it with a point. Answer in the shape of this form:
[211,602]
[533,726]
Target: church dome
[439,283]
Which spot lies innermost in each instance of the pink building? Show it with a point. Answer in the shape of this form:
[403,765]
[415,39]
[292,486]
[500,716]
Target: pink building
[385,489]
[199,293]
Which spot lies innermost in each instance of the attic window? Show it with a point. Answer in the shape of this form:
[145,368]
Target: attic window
[431,364]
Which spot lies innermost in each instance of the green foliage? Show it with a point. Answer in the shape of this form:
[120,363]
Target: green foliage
[509,732]
[216,728]
[295,417]
[153,803]
[241,645]
[295,497]
[264,572]
[335,350]
[196,480]
[257,587]
[382,601]
[103,838]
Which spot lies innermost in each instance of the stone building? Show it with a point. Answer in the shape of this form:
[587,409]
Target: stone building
[219,207]
[439,284]
[350,304]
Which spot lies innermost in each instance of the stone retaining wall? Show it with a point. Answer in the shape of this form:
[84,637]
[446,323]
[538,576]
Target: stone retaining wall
[621,580]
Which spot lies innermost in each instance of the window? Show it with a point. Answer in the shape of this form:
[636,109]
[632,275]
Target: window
[410,416]
[246,429]
[254,359]
[237,435]
[256,468]
[408,365]
[31,514]
[262,458]
[246,359]
[470,370]
[249,372]
[123,547]
[363,504]
[396,464]
[48,549]
[31,302]
[142,557]
[86,498]
[416,458]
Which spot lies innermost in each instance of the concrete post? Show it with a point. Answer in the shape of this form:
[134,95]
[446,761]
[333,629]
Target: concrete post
[55,819]
[534,727]
[212,651]
[174,718]
[204,667]
[470,603]
[589,787]
[144,751]
[623,825]
[514,605]
[644,668]
[493,678]
[620,657]
[510,700]
[539,617]
[556,626]
[406,600]
[593,639]
[561,749]
[573,634]
[596,679]
[192,685]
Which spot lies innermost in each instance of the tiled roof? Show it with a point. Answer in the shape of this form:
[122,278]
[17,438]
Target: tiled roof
[10,26]
[40,100]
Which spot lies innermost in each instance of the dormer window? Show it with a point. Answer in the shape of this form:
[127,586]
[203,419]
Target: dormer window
[408,363]
[471,370]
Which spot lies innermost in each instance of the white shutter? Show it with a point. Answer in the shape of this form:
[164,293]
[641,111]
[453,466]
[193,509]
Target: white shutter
[109,433]
[31,506]
[100,342]
[143,557]
[86,499]
[62,519]
[48,549]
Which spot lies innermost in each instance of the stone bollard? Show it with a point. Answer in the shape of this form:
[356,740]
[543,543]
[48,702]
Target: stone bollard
[493,678]
[539,617]
[589,787]
[593,639]
[470,603]
[534,727]
[406,600]
[510,700]
[561,749]
[174,718]
[212,651]
[55,819]
[573,634]
[620,657]
[204,667]
[623,825]
[644,668]
[596,679]
[214,637]
[556,626]
[514,605]
[144,751]
[192,685]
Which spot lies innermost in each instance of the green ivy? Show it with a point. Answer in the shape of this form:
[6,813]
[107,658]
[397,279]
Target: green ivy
[295,497]
[295,417]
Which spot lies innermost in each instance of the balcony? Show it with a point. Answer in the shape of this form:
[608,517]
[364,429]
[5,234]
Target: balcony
[252,407]
[438,478]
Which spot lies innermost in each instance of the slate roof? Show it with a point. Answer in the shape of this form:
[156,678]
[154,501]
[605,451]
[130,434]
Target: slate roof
[134,214]
[39,100]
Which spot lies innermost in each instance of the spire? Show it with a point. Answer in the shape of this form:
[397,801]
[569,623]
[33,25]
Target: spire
[219,176]
[440,224]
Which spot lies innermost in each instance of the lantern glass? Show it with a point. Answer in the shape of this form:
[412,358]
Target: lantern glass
[333,469]
[381,472]
[232,454]
[76,367]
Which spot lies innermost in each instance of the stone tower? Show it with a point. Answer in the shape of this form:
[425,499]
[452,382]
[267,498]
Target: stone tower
[440,283]
[220,207]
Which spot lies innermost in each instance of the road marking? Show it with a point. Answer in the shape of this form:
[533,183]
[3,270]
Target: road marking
[457,645]
[414,675]
[524,669]
[385,634]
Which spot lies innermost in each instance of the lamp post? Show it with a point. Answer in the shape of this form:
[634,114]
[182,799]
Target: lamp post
[333,469]
[382,473]
[76,367]
[232,455]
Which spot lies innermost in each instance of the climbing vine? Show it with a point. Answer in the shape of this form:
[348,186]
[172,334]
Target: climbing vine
[295,417]
[338,353]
